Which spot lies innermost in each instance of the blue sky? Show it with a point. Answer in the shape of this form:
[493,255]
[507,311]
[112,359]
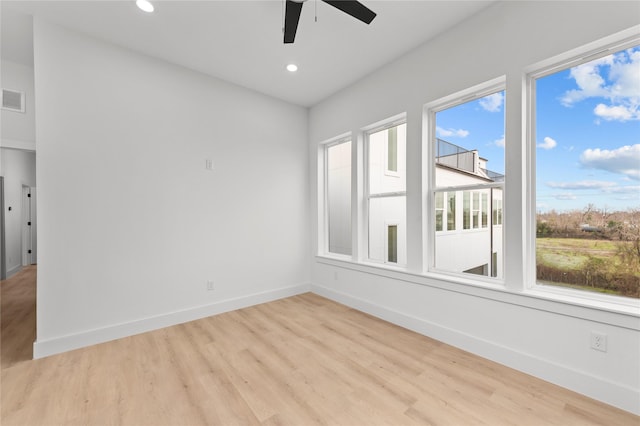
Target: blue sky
[587,131]
[477,124]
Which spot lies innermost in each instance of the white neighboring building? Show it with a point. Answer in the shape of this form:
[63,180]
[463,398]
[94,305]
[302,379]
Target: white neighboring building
[468,223]
[387,195]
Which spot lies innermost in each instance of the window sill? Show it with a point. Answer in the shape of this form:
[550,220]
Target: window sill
[609,303]
[623,313]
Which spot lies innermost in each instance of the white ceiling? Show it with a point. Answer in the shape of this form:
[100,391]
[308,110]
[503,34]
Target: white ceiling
[241,41]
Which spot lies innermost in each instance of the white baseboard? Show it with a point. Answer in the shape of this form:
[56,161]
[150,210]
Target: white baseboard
[18,144]
[43,348]
[11,272]
[609,392]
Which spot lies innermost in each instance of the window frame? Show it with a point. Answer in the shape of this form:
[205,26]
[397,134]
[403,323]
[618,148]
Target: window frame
[429,141]
[558,63]
[380,126]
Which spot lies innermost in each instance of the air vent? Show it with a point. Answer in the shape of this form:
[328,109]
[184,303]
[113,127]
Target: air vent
[12,100]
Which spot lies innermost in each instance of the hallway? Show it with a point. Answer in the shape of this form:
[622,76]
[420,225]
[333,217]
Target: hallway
[18,317]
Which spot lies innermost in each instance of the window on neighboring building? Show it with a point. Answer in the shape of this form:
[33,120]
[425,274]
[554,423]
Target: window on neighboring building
[439,202]
[587,166]
[467,148]
[338,196]
[387,193]
[485,209]
[466,210]
[451,211]
[392,243]
[475,209]
[497,211]
[445,211]
[392,150]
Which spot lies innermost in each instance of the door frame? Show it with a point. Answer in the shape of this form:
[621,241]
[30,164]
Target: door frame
[3,249]
[25,226]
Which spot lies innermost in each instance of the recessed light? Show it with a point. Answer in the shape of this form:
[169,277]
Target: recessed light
[292,68]
[145,5]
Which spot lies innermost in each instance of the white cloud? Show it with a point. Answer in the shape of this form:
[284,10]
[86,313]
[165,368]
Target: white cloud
[589,81]
[624,160]
[632,197]
[617,113]
[625,74]
[626,193]
[583,184]
[615,78]
[547,143]
[460,133]
[499,142]
[492,103]
[568,197]
[630,189]
[616,191]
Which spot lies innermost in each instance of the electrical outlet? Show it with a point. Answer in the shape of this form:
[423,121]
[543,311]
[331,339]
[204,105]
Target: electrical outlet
[209,285]
[208,164]
[598,341]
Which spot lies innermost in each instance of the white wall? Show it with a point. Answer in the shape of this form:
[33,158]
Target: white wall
[18,129]
[131,225]
[542,337]
[18,168]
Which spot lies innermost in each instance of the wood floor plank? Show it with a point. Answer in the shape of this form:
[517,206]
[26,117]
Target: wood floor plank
[303,360]
[18,321]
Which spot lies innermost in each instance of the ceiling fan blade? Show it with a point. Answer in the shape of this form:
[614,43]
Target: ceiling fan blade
[353,8]
[291,18]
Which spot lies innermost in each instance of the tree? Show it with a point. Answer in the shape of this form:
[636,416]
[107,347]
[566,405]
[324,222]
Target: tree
[543,229]
[587,213]
[629,249]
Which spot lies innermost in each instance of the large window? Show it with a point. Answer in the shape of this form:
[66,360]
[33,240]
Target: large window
[467,178]
[587,166]
[573,207]
[386,171]
[338,196]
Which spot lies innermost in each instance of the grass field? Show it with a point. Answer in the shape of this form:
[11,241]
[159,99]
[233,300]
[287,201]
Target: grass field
[573,253]
[594,265]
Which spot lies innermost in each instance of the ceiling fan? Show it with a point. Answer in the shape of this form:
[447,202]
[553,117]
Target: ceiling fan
[294,7]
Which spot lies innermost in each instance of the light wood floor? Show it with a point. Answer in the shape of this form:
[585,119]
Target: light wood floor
[304,360]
